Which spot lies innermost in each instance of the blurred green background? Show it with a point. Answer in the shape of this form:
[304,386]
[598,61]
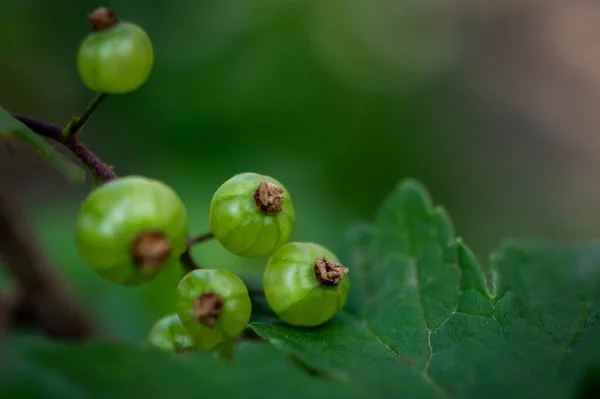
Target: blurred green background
[337,99]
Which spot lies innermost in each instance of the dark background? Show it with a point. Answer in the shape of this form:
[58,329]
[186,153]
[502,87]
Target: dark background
[493,107]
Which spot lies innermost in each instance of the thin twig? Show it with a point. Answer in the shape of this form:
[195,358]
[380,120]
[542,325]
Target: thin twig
[187,261]
[193,240]
[42,128]
[43,294]
[99,169]
[94,164]
[73,128]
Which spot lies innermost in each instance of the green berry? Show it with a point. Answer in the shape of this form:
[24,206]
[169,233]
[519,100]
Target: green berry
[214,306]
[304,284]
[117,57]
[252,215]
[168,334]
[131,228]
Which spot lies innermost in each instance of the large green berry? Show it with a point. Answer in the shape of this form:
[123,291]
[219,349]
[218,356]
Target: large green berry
[117,57]
[252,215]
[304,284]
[131,228]
[214,306]
[168,334]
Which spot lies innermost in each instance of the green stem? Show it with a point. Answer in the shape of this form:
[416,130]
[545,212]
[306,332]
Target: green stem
[187,261]
[77,123]
[200,238]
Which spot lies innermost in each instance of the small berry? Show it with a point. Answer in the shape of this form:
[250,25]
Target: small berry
[252,215]
[117,57]
[304,284]
[168,334]
[214,306]
[131,228]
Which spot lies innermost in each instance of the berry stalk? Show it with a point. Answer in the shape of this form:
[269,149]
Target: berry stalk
[93,163]
[77,123]
[187,261]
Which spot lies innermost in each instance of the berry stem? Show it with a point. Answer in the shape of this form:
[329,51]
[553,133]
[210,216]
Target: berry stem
[200,238]
[187,261]
[99,169]
[76,124]
[94,164]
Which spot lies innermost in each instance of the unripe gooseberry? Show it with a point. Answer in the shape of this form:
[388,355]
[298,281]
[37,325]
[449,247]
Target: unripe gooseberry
[131,228]
[213,305]
[252,215]
[117,57]
[169,335]
[304,284]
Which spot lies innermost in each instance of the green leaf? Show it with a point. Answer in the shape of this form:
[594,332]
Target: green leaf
[43,369]
[421,322]
[11,128]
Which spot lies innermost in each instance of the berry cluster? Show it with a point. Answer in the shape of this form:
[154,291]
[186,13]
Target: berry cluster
[130,229]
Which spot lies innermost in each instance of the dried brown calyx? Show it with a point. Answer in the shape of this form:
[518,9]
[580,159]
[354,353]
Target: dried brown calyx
[269,198]
[328,272]
[150,250]
[102,18]
[207,309]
